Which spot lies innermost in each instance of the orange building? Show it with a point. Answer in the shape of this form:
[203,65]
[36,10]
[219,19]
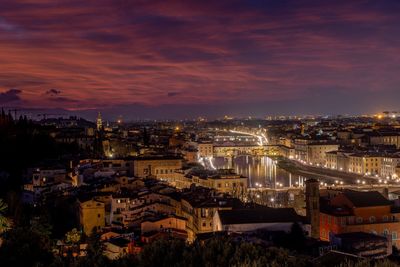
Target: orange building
[355,211]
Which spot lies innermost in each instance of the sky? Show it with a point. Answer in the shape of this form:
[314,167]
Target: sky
[184,59]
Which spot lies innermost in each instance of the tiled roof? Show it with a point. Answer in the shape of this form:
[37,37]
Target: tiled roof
[366,199]
[258,215]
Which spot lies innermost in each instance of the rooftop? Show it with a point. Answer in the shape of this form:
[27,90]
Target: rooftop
[258,215]
[362,199]
[359,236]
[157,157]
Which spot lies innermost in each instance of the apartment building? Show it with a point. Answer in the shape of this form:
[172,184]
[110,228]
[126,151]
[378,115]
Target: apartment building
[205,149]
[354,211]
[365,163]
[389,165]
[316,152]
[160,167]
[313,151]
[385,138]
[198,206]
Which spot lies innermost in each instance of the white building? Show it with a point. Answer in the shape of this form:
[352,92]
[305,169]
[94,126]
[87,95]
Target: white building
[389,164]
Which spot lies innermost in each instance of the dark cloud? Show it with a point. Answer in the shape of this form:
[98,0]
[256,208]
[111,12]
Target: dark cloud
[172,94]
[9,96]
[53,92]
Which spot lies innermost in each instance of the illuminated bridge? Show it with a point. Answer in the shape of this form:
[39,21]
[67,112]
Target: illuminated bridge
[259,147]
[237,150]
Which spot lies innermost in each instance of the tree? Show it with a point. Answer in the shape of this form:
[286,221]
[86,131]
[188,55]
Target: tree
[3,219]
[214,252]
[171,251]
[294,240]
[73,237]
[24,246]
[297,237]
[95,250]
[217,251]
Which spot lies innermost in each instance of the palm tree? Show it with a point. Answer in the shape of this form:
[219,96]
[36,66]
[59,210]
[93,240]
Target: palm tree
[3,219]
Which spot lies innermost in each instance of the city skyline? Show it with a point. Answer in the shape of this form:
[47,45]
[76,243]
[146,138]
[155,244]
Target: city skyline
[159,59]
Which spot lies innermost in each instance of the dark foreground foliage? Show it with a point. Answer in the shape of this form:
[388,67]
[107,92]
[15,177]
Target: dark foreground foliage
[31,246]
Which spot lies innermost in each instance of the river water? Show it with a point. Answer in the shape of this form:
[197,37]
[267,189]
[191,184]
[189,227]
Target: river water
[261,171]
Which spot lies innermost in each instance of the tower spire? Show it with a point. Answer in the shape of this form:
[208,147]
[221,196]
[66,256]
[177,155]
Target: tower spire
[99,122]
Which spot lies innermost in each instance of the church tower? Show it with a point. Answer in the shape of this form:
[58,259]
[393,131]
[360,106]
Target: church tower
[99,122]
[312,206]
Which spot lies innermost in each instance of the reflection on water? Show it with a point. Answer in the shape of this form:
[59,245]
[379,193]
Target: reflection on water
[261,171]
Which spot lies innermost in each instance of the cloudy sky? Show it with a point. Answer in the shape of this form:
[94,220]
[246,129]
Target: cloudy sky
[181,59]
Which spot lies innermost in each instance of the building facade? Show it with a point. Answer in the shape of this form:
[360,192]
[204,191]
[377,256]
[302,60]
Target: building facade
[91,215]
[354,211]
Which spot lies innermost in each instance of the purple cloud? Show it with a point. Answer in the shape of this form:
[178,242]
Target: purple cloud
[112,53]
[11,95]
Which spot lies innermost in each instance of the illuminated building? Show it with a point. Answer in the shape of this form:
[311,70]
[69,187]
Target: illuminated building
[313,151]
[160,167]
[365,163]
[199,205]
[354,211]
[99,122]
[385,138]
[91,215]
[389,165]
[205,149]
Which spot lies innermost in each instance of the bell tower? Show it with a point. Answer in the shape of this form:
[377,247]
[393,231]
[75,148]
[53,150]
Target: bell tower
[99,122]
[312,206]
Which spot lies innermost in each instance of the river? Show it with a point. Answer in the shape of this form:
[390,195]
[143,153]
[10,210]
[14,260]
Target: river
[261,171]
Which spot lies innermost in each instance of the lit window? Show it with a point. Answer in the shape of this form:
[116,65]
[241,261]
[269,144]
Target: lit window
[394,235]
